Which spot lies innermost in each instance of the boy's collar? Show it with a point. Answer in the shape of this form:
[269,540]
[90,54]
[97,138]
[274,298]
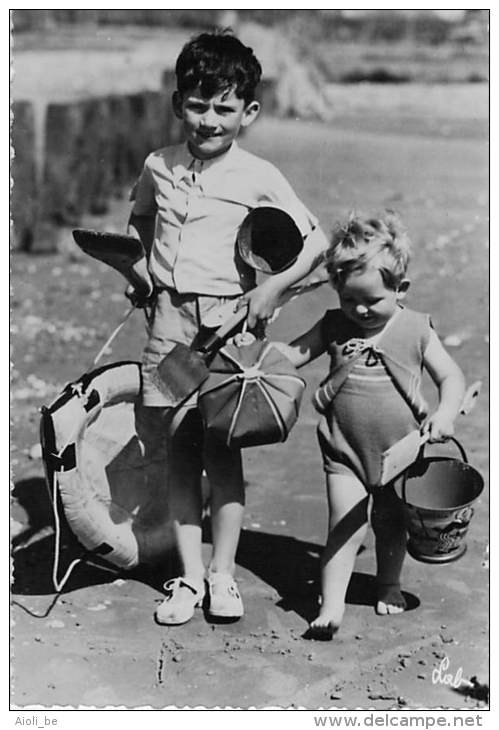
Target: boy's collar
[184,162]
[206,164]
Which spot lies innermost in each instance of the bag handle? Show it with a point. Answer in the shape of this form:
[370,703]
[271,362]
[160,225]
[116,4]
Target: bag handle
[247,337]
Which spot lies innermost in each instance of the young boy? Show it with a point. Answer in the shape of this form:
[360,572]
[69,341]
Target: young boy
[189,203]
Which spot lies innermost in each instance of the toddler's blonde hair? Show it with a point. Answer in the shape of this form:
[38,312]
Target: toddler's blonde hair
[362,243]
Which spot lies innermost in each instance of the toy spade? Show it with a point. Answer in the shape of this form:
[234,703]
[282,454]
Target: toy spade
[184,369]
[405,452]
[123,253]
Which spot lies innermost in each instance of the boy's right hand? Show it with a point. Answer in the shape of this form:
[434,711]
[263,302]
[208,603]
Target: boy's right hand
[262,302]
[138,299]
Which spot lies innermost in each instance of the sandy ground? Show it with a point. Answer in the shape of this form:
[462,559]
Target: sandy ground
[98,646]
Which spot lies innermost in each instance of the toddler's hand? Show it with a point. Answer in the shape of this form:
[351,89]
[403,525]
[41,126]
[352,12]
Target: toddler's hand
[439,427]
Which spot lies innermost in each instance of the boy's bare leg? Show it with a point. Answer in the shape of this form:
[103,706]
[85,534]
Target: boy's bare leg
[164,469]
[388,525]
[226,524]
[225,475]
[347,500]
[185,466]
[151,425]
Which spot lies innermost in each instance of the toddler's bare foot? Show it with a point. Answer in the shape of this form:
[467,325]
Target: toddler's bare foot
[324,627]
[390,599]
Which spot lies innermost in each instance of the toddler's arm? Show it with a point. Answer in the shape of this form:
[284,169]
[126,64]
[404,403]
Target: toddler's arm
[263,300]
[304,348]
[448,377]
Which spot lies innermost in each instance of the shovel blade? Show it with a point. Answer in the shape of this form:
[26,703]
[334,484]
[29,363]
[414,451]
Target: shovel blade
[399,456]
[180,373]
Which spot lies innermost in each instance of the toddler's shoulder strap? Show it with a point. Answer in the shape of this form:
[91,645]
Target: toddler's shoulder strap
[402,348]
[335,328]
[407,337]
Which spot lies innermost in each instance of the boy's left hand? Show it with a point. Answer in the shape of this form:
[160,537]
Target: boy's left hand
[439,426]
[262,302]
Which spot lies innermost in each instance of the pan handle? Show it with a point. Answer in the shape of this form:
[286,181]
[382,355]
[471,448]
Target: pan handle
[219,336]
[217,318]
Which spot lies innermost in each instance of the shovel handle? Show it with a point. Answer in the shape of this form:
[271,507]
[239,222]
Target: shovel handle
[219,336]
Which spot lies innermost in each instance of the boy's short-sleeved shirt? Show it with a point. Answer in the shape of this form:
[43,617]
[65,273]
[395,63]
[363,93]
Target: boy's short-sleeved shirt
[199,206]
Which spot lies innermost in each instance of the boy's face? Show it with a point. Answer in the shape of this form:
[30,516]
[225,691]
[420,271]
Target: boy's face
[366,300]
[212,124]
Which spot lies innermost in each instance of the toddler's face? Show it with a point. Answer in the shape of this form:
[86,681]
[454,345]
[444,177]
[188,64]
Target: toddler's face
[365,299]
[212,124]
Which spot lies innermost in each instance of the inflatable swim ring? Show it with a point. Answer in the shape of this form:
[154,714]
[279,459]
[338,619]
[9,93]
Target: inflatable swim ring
[114,502]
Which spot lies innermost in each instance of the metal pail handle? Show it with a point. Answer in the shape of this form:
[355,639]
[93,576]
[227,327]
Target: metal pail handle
[421,456]
[455,441]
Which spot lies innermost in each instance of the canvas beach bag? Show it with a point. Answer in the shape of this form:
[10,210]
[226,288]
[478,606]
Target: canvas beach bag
[252,395]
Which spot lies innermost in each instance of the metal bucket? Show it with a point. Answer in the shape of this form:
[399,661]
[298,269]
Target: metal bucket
[437,495]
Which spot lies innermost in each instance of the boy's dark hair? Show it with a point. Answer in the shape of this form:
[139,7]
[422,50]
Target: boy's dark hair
[215,62]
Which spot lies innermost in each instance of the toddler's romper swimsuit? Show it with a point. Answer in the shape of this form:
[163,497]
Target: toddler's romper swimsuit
[368,413]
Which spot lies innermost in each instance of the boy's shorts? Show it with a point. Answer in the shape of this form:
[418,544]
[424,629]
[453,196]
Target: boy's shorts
[175,318]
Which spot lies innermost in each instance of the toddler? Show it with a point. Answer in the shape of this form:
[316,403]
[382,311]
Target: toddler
[370,399]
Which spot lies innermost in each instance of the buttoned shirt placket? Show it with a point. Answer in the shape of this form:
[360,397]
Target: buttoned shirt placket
[191,186]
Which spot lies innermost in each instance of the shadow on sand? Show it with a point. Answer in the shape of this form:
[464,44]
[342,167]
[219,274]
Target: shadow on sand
[33,551]
[289,565]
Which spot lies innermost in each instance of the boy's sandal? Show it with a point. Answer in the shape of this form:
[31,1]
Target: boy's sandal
[182,597]
[225,599]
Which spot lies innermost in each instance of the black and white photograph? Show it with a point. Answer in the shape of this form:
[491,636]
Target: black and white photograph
[243,243]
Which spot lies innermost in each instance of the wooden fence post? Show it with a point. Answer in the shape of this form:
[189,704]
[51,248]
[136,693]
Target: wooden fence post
[24,195]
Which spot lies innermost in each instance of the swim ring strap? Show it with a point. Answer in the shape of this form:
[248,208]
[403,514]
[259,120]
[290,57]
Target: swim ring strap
[59,585]
[111,337]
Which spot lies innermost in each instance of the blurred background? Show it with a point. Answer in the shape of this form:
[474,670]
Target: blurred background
[91,89]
